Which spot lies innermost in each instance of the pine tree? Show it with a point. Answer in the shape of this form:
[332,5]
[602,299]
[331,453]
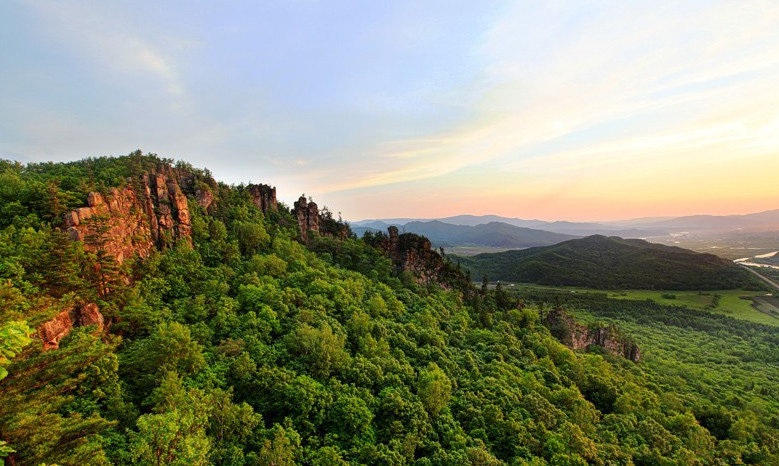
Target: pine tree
[64,266]
[36,418]
[106,274]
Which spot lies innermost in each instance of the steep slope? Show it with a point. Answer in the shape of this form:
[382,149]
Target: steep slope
[610,263]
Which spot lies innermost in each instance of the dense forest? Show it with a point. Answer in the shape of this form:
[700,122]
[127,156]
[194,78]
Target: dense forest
[603,262]
[245,344]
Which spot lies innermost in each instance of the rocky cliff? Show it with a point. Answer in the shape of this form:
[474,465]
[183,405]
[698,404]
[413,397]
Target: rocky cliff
[307,213]
[311,219]
[150,211]
[577,336]
[412,253]
[263,196]
[54,330]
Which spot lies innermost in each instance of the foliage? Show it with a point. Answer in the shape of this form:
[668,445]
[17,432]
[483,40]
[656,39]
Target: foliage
[612,263]
[248,347]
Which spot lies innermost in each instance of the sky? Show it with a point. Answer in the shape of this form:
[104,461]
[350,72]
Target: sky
[575,110]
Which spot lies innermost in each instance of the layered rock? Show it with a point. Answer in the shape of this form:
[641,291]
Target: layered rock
[148,213]
[51,332]
[577,336]
[165,205]
[307,214]
[263,196]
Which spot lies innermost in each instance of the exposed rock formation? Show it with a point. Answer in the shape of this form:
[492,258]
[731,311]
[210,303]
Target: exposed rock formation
[577,336]
[412,253]
[263,196]
[311,219]
[308,217]
[204,198]
[56,329]
[166,205]
[151,212]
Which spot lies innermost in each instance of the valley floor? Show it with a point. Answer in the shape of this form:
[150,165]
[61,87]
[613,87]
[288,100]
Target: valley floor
[754,306]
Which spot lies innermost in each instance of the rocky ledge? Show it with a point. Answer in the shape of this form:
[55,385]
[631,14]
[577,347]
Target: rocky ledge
[578,336]
[412,253]
[54,330]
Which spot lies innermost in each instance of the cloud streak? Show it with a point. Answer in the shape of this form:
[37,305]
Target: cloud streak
[516,100]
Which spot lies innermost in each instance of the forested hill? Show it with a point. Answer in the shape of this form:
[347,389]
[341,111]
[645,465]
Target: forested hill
[603,262]
[152,315]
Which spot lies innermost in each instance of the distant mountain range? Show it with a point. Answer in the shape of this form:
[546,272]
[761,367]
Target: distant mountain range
[492,234]
[610,263]
[538,232]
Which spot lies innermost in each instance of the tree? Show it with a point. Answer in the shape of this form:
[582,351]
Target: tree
[107,276]
[170,348]
[434,388]
[230,425]
[13,337]
[281,448]
[37,417]
[319,348]
[175,434]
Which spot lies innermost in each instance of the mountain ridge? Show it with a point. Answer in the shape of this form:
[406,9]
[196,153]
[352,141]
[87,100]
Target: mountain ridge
[603,262]
[492,234]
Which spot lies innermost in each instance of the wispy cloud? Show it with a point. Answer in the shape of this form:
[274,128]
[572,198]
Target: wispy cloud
[515,100]
[104,36]
[554,72]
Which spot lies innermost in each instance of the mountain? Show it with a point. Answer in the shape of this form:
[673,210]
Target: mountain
[492,234]
[610,263]
[571,229]
[590,228]
[150,314]
[633,228]
[382,223]
[761,221]
[473,220]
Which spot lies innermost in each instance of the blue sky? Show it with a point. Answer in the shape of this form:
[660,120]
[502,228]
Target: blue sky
[556,109]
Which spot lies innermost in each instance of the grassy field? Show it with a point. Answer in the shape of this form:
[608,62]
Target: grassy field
[473,250]
[738,304]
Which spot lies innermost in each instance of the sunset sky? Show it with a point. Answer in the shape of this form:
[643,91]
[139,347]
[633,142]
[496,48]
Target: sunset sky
[536,109]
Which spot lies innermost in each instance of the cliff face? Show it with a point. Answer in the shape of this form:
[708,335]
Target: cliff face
[412,253]
[263,196]
[577,336]
[307,214]
[146,213]
[53,331]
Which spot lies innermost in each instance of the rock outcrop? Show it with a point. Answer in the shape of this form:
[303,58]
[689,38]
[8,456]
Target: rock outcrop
[307,214]
[56,329]
[577,336]
[263,196]
[412,253]
[204,198]
[147,213]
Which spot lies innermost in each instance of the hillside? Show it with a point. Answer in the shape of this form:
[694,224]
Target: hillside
[610,263]
[150,314]
[492,234]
